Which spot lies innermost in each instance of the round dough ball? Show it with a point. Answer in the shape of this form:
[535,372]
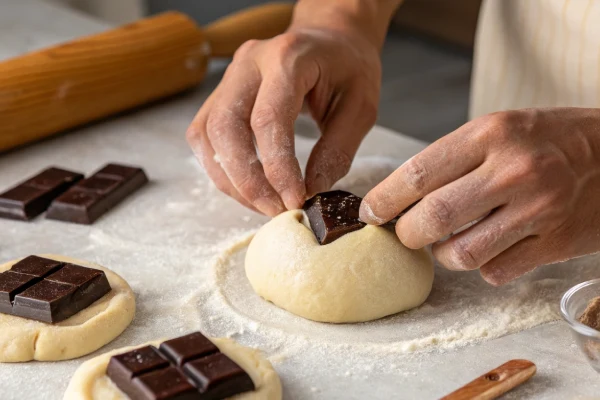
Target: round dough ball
[91,383]
[24,339]
[362,276]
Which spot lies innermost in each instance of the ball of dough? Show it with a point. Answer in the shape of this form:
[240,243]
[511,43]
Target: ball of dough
[24,339]
[362,276]
[91,383]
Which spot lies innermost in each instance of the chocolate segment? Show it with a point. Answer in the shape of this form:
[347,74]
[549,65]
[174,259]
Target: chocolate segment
[50,291]
[218,377]
[186,348]
[124,367]
[36,266]
[32,197]
[333,214]
[88,200]
[197,371]
[12,283]
[168,383]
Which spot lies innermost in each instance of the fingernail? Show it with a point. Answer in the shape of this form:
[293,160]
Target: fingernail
[268,206]
[367,215]
[291,199]
[319,184]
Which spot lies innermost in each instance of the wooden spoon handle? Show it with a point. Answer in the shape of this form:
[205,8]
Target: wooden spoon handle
[496,382]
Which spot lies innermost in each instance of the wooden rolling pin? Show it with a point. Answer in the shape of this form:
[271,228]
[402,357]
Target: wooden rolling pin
[58,88]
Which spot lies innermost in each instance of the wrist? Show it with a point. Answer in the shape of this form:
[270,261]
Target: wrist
[368,19]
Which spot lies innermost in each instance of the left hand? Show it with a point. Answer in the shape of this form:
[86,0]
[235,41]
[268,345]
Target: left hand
[535,171]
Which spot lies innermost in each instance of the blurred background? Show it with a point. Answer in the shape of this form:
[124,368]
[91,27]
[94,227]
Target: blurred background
[426,59]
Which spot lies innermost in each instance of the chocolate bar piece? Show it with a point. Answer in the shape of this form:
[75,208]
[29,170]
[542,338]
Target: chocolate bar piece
[90,198]
[333,214]
[190,367]
[32,197]
[48,290]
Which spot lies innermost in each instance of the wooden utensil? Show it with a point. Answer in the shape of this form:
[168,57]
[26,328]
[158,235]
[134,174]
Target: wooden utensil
[496,382]
[51,90]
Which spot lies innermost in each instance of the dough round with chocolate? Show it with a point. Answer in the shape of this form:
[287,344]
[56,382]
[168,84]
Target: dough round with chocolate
[362,276]
[90,381]
[24,339]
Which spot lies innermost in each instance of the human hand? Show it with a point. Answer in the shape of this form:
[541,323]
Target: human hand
[535,171]
[334,70]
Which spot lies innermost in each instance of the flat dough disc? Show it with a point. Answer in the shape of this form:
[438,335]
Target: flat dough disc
[91,383]
[23,339]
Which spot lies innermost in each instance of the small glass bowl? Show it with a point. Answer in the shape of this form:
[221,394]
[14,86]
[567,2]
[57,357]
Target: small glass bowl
[572,305]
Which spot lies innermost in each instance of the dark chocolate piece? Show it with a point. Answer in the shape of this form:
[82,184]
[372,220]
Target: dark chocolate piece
[197,371]
[333,214]
[33,196]
[50,291]
[88,200]
[123,368]
[37,266]
[167,383]
[12,283]
[218,377]
[188,347]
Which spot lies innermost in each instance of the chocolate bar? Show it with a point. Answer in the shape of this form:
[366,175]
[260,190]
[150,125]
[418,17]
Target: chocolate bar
[48,290]
[32,197]
[90,198]
[190,367]
[333,214]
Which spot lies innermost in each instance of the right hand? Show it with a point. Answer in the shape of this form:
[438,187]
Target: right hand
[336,71]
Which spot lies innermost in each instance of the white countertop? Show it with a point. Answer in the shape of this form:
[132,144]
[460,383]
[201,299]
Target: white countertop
[179,226]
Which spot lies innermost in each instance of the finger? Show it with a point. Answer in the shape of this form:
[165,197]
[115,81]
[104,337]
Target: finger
[277,106]
[452,206]
[523,257]
[353,115]
[483,241]
[442,162]
[198,140]
[228,128]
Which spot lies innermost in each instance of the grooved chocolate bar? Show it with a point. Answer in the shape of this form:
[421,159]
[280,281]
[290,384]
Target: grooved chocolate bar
[32,197]
[48,290]
[190,367]
[90,198]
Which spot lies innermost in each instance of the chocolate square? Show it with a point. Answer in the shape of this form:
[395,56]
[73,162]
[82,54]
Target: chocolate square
[98,185]
[12,283]
[75,275]
[333,214]
[188,347]
[168,383]
[36,266]
[119,172]
[45,301]
[218,377]
[52,178]
[123,368]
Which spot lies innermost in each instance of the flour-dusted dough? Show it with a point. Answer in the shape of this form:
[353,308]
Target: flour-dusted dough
[364,275]
[91,383]
[25,340]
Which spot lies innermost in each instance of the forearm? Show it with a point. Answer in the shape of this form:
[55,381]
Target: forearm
[370,17]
